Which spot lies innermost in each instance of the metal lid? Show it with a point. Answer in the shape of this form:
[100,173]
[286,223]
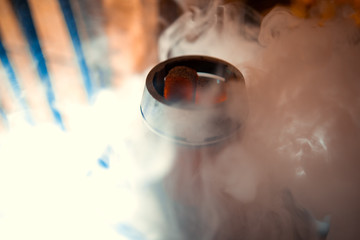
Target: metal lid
[195,124]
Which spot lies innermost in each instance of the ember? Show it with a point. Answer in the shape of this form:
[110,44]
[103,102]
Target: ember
[180,84]
[186,85]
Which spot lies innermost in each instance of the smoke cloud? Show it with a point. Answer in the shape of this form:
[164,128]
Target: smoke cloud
[297,160]
[294,166]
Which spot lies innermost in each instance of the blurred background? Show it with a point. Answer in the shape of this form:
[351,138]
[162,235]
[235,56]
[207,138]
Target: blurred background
[56,52]
[71,78]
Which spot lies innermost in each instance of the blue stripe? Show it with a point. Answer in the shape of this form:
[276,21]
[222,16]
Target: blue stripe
[129,232]
[71,24]
[22,11]
[91,15]
[4,118]
[14,82]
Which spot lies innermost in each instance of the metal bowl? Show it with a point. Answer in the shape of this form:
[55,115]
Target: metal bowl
[195,124]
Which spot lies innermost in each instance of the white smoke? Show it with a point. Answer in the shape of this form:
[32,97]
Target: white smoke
[296,160]
[301,136]
[88,182]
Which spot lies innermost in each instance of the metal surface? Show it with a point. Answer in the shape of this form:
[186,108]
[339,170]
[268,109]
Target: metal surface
[195,124]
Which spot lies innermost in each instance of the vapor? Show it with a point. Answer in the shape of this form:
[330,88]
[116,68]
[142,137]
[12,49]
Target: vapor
[297,160]
[294,166]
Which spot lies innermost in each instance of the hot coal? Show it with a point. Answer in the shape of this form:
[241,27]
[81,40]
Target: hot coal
[180,84]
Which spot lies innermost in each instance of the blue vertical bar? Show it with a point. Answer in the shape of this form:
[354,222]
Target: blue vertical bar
[3,117]
[89,16]
[14,82]
[23,13]
[71,24]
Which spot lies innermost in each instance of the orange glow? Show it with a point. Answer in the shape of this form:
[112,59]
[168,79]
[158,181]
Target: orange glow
[180,84]
[205,94]
[183,84]
[326,9]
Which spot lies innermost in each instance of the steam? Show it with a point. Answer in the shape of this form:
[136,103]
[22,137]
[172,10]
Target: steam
[88,182]
[294,165]
[224,27]
[298,156]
